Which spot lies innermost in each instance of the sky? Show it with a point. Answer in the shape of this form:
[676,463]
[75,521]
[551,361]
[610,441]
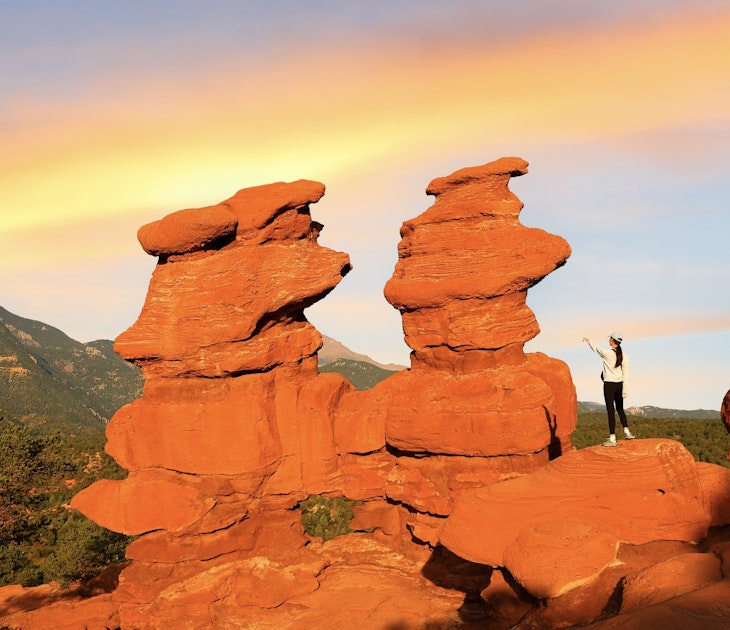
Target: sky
[114,114]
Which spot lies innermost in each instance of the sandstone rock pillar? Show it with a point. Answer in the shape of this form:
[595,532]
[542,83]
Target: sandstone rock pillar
[234,420]
[474,408]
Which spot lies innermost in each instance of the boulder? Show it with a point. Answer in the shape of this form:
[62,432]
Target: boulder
[187,231]
[553,558]
[278,211]
[668,579]
[702,609]
[645,490]
[715,483]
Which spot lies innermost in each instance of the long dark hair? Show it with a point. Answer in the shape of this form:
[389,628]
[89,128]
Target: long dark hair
[619,353]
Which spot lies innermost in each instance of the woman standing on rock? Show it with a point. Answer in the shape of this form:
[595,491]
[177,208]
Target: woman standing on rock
[615,376]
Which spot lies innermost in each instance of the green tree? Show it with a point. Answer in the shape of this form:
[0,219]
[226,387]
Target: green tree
[30,469]
[82,548]
[41,539]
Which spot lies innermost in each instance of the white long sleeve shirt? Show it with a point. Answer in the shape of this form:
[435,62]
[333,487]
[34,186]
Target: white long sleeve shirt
[611,373]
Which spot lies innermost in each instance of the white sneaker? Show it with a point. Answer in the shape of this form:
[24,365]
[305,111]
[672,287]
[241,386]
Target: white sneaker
[629,436]
[610,443]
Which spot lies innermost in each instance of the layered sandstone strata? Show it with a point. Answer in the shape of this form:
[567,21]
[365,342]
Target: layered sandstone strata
[474,408]
[660,497]
[468,448]
[725,414]
[234,424]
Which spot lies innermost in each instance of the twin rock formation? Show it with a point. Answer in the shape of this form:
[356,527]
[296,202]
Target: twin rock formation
[469,486]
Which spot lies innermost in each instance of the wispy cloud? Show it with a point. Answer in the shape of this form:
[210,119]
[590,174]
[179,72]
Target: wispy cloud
[560,332]
[75,242]
[623,109]
[174,142]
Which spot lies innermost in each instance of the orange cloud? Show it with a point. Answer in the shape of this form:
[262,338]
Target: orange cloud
[676,326]
[561,332]
[323,113]
[74,243]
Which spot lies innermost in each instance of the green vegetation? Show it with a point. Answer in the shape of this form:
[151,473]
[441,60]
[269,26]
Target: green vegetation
[649,411]
[361,374]
[50,382]
[41,538]
[707,440]
[325,517]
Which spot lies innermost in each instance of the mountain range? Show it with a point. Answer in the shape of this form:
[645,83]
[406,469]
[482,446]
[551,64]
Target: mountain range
[50,381]
[332,350]
[649,411]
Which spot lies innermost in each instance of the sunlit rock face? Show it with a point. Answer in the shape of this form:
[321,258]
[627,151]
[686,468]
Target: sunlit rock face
[474,408]
[461,282]
[235,425]
[464,269]
[229,358]
[456,462]
[661,492]
[725,414]
[228,294]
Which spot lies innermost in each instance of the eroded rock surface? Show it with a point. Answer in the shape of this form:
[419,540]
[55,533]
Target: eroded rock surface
[474,408]
[725,414]
[654,494]
[474,510]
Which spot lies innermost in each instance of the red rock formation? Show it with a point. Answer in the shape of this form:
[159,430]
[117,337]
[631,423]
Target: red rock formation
[645,490]
[715,483]
[555,557]
[725,414]
[474,408]
[461,282]
[668,579]
[96,613]
[560,531]
[705,607]
[235,423]
[229,359]
[235,426]
[702,609]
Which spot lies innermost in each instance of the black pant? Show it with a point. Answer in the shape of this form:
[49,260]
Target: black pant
[613,393]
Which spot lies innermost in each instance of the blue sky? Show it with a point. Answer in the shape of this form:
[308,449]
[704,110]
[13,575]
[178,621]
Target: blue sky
[115,114]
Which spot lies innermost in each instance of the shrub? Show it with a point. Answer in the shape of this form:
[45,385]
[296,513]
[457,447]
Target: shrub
[16,568]
[82,550]
[40,538]
[325,517]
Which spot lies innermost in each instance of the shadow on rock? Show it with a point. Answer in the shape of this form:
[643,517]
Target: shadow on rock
[447,570]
